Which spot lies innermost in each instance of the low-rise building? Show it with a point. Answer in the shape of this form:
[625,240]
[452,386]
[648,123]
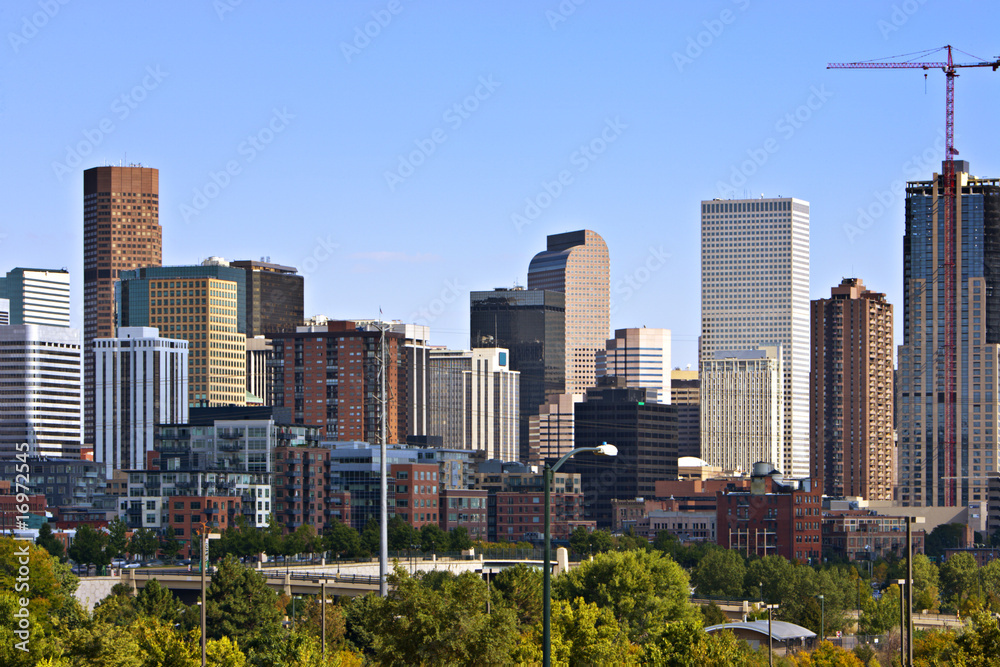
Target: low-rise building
[863,535]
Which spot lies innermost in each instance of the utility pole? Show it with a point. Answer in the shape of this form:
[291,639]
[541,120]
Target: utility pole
[383,560]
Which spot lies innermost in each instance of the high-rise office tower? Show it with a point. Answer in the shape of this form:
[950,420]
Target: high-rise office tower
[552,432]
[474,401]
[203,304]
[641,357]
[850,384]
[577,264]
[121,231]
[261,370]
[937,468]
[274,297]
[742,409]
[40,372]
[685,395]
[141,380]
[531,324]
[755,292]
[4,311]
[37,296]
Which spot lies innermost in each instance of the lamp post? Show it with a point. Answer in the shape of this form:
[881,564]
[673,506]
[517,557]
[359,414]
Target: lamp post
[604,449]
[770,637]
[822,617]
[902,620]
[205,537]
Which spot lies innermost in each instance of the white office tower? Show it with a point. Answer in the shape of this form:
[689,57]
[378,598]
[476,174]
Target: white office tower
[37,296]
[41,374]
[474,401]
[742,409]
[641,357]
[755,293]
[4,312]
[140,380]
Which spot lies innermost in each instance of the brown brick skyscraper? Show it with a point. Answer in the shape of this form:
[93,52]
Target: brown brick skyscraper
[851,387]
[121,230]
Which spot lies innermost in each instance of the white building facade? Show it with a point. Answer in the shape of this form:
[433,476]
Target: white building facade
[641,357]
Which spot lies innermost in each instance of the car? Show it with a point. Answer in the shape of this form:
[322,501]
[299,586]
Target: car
[153,563]
[130,566]
[184,561]
[118,562]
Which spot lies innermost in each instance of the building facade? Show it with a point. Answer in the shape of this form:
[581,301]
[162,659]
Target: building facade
[685,395]
[37,296]
[851,393]
[578,265]
[755,293]
[531,325]
[742,409]
[552,432]
[938,467]
[274,297]
[141,380]
[41,373]
[641,357]
[121,231]
[203,304]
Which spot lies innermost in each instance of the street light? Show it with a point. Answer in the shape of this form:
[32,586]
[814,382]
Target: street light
[902,619]
[605,450]
[770,637]
[205,537]
[822,617]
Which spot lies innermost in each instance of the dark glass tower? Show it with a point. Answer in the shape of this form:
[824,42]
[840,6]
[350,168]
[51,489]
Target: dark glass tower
[531,324]
[274,297]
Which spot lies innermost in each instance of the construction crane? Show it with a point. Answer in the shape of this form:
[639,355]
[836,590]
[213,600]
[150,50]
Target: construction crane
[947,202]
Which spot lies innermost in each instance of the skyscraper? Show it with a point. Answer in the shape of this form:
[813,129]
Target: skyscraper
[204,305]
[755,292]
[577,264]
[937,468]
[121,231]
[850,383]
[641,357]
[531,324]
[685,395]
[274,297]
[37,296]
[141,381]
[742,409]
[40,372]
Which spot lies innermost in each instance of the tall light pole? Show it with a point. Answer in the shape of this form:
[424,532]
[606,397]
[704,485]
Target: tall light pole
[822,617]
[902,620]
[205,537]
[604,449]
[770,637]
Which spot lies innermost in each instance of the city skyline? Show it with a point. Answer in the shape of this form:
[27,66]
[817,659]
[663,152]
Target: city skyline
[520,141]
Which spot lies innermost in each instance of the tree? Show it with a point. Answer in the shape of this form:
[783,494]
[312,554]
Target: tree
[432,538]
[303,540]
[579,540]
[155,601]
[945,536]
[458,539]
[644,590]
[241,605]
[170,545]
[49,542]
[582,634]
[720,574]
[89,546]
[686,643]
[371,536]
[117,538]
[520,587]
[144,542]
[825,655]
[341,539]
[880,616]
[444,623]
[402,536]
[959,579]
[712,614]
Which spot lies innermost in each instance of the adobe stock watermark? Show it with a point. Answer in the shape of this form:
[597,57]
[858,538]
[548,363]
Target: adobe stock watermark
[561,13]
[363,36]
[248,150]
[918,167]
[31,25]
[714,28]
[455,115]
[450,294]
[121,108]
[324,250]
[786,126]
[580,159]
[634,281]
[901,13]
[22,483]
[223,7]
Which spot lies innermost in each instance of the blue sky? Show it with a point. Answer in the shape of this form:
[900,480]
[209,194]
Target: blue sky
[386,149]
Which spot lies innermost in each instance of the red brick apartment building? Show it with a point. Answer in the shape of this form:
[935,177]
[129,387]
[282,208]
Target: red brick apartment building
[417,493]
[772,518]
[465,508]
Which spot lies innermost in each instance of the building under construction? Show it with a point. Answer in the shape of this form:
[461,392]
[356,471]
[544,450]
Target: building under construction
[937,468]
